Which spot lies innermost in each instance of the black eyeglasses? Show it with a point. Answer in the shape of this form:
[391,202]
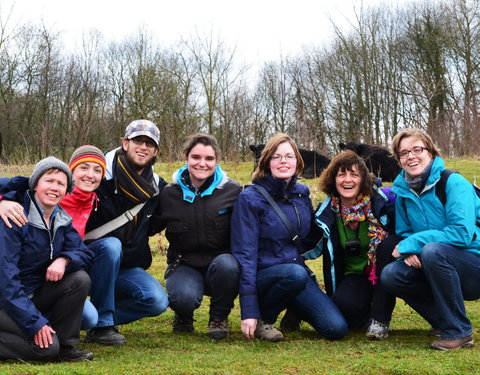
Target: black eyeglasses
[417,150]
[140,141]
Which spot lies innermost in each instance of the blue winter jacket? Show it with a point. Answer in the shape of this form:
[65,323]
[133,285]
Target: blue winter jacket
[423,219]
[260,238]
[26,253]
[329,243]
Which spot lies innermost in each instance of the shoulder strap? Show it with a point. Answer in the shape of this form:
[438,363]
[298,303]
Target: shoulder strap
[279,211]
[440,187]
[110,226]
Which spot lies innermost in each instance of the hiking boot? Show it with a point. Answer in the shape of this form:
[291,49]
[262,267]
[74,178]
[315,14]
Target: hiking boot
[466,342]
[218,329]
[267,332]
[434,332]
[290,322]
[182,323]
[70,353]
[105,336]
[378,330]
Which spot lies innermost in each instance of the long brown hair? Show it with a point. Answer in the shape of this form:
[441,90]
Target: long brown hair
[343,162]
[263,167]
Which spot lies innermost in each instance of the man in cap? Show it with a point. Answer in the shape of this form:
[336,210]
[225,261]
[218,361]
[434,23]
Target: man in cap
[122,290]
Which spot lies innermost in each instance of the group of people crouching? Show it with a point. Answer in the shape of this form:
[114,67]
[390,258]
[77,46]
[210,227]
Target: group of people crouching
[69,259]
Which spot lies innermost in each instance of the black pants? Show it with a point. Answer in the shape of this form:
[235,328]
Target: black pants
[62,302]
[359,300]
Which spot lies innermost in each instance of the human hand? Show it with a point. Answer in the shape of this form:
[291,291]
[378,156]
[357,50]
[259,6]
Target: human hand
[12,211]
[56,270]
[248,328]
[395,253]
[413,261]
[43,337]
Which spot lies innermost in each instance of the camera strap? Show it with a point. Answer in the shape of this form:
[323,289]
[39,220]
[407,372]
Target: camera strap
[295,237]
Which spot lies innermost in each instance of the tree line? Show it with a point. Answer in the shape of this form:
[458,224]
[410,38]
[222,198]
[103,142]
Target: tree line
[394,67]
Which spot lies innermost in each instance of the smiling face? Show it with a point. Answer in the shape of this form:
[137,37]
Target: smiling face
[348,183]
[414,165]
[88,176]
[283,162]
[201,163]
[140,151]
[51,189]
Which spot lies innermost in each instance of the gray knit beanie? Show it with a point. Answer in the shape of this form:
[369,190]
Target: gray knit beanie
[45,165]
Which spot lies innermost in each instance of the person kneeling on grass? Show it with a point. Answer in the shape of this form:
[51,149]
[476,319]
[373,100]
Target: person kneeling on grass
[273,272]
[439,258]
[43,274]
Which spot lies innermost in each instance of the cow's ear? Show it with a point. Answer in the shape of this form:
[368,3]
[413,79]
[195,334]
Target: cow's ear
[253,148]
[341,145]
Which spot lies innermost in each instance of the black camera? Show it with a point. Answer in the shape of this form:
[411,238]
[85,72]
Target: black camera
[352,247]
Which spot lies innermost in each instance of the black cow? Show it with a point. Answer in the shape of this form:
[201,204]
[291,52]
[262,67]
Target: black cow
[377,158]
[314,162]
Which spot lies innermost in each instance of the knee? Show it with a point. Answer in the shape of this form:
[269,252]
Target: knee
[80,280]
[184,300]
[297,274]
[110,249]
[431,254]
[387,277]
[156,303]
[46,354]
[337,330]
[225,269]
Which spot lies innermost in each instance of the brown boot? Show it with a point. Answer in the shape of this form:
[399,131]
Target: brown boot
[465,342]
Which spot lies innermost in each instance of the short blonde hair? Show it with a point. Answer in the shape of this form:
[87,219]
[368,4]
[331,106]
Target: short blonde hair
[263,167]
[417,133]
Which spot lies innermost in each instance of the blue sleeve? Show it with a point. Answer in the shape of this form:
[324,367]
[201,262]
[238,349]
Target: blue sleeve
[14,188]
[244,237]
[73,248]
[460,219]
[13,297]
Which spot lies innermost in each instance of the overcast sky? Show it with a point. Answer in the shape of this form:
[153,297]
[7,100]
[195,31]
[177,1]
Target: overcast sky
[261,29]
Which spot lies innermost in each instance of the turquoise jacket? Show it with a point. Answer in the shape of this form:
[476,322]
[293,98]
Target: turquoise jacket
[423,219]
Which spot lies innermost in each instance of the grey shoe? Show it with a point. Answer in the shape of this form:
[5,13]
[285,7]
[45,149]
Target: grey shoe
[182,323]
[70,353]
[105,336]
[218,329]
[378,330]
[267,332]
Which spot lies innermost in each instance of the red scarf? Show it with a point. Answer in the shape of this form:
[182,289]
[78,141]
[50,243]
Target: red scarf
[79,205]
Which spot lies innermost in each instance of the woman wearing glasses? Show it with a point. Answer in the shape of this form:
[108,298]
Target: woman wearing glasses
[439,257]
[273,272]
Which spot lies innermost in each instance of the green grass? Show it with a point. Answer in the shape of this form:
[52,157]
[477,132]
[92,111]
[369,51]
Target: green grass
[152,348]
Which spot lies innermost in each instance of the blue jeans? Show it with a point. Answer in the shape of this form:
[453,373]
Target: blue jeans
[437,290]
[289,285]
[89,315]
[186,287]
[122,295]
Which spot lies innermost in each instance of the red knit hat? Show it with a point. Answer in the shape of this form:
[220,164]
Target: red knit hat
[88,153]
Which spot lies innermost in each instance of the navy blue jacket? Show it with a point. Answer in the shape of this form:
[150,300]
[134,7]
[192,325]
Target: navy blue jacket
[26,253]
[260,238]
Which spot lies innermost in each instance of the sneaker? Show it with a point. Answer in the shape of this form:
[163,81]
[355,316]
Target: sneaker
[70,353]
[290,322]
[267,332]
[466,342]
[105,336]
[182,323]
[218,329]
[378,330]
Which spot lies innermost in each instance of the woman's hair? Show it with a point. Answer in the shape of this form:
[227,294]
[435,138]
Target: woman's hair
[263,167]
[344,162]
[204,139]
[417,133]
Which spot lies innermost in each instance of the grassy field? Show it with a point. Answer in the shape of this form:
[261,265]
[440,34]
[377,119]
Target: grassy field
[153,349]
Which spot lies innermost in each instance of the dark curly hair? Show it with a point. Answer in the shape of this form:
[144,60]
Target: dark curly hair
[343,162]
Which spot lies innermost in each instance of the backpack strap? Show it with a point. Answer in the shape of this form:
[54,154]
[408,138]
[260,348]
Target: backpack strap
[441,186]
